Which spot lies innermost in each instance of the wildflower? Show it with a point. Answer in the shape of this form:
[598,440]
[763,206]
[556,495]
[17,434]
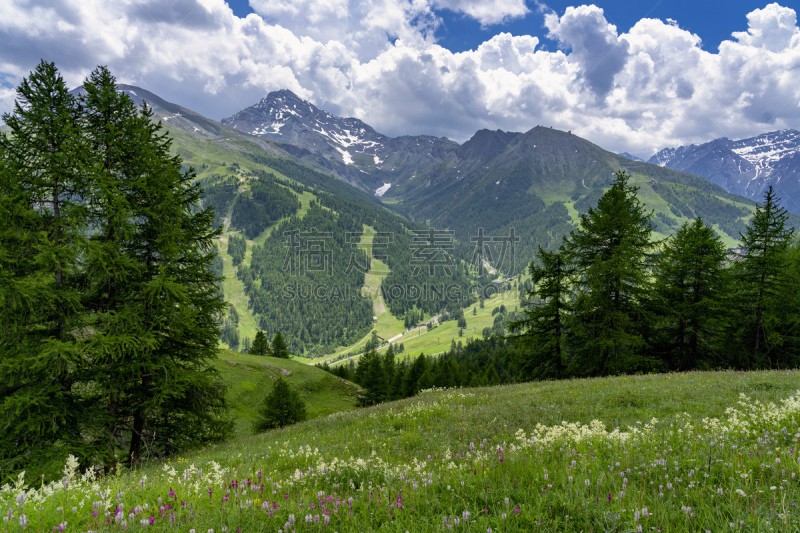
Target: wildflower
[740,492]
[23,521]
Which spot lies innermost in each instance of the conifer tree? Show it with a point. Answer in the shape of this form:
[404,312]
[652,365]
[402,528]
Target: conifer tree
[609,252]
[118,354]
[279,348]
[413,375]
[370,375]
[688,297]
[543,330]
[763,283]
[171,397]
[42,234]
[389,367]
[260,345]
[283,406]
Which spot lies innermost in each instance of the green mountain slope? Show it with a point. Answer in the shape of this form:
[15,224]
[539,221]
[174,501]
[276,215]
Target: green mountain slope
[249,379]
[538,182]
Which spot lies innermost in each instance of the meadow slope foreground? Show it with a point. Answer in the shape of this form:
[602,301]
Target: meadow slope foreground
[699,451]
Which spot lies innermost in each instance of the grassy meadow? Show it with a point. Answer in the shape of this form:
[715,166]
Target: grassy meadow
[700,451]
[249,379]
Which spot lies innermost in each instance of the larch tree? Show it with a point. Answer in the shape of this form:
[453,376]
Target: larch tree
[279,348]
[283,406]
[42,236]
[260,345]
[543,330]
[688,298]
[764,284]
[113,305]
[609,252]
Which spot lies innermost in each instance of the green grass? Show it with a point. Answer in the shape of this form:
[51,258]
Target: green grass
[249,379]
[664,452]
[438,339]
[430,342]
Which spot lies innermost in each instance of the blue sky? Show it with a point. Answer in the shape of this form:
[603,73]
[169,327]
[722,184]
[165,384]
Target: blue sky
[712,20]
[632,76]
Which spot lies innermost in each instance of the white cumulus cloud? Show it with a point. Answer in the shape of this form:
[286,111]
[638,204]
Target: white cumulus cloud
[641,90]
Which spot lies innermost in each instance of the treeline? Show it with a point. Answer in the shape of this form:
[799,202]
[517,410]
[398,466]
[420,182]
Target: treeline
[266,203]
[219,192]
[612,301]
[490,361]
[109,305]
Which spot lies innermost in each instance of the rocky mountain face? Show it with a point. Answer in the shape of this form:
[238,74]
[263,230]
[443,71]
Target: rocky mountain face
[746,167]
[630,156]
[351,149]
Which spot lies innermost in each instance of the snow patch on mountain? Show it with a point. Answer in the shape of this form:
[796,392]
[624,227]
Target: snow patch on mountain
[346,157]
[380,191]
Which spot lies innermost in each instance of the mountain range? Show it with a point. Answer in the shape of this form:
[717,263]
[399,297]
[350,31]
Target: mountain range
[406,167]
[535,183]
[746,166]
[524,187]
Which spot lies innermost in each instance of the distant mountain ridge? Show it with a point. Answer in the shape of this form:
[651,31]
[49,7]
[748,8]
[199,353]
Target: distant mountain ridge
[746,166]
[353,149]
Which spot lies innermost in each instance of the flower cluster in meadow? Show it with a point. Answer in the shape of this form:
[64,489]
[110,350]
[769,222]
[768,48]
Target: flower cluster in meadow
[738,472]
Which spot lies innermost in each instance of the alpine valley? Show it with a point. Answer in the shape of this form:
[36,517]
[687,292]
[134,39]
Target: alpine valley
[285,165]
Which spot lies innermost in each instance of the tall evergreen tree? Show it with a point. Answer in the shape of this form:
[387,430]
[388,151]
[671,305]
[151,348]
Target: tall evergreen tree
[609,252]
[168,394]
[688,295]
[413,375]
[764,283]
[119,354]
[543,330]
[44,224]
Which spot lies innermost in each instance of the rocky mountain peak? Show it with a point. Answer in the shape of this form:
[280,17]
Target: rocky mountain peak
[745,166]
